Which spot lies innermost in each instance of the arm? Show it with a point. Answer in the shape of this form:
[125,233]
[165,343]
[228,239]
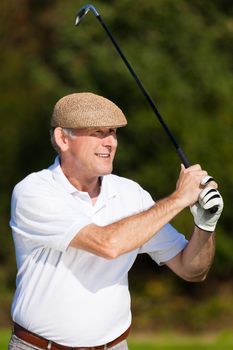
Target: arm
[130,233]
[193,263]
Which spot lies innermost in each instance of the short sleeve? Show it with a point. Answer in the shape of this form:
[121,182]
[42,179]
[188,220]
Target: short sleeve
[41,214]
[165,244]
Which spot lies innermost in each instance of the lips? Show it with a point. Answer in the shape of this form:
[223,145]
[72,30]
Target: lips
[102,155]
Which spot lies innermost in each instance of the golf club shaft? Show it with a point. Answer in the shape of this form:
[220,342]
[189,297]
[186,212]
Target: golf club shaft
[179,150]
[83,11]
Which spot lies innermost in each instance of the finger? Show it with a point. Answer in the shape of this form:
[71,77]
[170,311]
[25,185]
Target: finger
[194,167]
[182,168]
[212,184]
[209,197]
[207,193]
[195,173]
[215,202]
[206,179]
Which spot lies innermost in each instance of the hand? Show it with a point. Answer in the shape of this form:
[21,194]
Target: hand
[189,184]
[203,218]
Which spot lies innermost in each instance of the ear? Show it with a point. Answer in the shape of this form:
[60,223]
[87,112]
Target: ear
[61,139]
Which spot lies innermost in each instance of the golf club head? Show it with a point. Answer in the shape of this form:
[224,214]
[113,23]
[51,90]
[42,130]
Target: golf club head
[83,11]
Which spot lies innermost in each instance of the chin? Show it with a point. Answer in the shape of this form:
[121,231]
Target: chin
[106,171]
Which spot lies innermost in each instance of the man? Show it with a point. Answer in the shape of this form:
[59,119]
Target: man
[77,231]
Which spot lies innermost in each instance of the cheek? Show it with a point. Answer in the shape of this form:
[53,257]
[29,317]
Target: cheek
[115,144]
[80,149]
[84,153]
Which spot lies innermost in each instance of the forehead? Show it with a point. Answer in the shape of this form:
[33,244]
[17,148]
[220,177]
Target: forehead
[89,131]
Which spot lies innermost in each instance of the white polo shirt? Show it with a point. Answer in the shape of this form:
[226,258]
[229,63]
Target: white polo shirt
[68,295]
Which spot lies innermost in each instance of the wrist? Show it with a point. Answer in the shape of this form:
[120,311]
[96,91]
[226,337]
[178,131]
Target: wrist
[205,229]
[177,200]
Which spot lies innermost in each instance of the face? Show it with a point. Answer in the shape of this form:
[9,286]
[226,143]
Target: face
[91,151]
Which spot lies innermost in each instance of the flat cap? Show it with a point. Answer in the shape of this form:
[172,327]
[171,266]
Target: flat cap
[86,110]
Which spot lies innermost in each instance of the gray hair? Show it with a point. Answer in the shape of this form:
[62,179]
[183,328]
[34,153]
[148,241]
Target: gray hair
[66,131]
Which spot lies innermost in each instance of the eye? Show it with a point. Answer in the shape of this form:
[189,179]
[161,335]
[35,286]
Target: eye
[97,133]
[112,131]
[102,133]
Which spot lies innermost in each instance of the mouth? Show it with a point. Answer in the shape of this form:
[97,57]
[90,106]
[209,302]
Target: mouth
[103,155]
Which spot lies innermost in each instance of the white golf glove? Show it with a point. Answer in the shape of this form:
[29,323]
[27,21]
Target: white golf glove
[204,218]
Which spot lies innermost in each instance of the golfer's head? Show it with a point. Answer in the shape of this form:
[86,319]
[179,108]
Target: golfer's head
[86,110]
[84,133]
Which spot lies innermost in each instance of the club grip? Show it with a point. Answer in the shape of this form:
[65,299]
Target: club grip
[186,163]
[183,157]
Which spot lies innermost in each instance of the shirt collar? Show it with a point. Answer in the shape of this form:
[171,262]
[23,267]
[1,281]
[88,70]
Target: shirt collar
[60,177]
[108,189]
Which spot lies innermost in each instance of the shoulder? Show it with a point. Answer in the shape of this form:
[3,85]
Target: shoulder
[34,182]
[122,182]
[131,190]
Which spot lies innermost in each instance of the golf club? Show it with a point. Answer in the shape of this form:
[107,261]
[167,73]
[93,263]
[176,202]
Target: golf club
[79,17]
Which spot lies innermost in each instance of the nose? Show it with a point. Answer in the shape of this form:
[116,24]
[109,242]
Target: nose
[110,140]
[110,134]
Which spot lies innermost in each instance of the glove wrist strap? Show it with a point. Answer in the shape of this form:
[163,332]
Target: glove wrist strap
[208,231]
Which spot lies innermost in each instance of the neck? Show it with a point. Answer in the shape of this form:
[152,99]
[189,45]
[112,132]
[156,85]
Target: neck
[89,185]
[92,186]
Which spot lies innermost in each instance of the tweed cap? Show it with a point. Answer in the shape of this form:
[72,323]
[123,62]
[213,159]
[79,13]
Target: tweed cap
[86,110]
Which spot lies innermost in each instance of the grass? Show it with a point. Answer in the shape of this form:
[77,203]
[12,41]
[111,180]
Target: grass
[165,341]
[168,341]
[4,338]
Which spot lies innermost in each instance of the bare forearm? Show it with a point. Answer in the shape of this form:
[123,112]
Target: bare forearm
[198,255]
[130,233]
[193,263]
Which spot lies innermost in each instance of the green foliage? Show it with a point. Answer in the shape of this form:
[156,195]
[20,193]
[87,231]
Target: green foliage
[182,52]
[165,302]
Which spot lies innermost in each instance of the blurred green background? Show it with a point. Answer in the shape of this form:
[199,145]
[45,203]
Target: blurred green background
[182,51]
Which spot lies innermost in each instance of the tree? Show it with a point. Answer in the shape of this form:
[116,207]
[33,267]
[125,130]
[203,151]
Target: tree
[182,51]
